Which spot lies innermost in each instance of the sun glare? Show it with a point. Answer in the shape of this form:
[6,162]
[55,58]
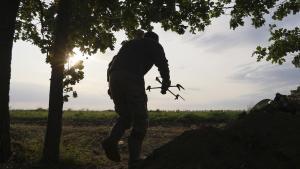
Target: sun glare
[74,59]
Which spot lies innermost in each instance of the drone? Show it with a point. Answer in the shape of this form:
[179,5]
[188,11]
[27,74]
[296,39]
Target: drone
[178,86]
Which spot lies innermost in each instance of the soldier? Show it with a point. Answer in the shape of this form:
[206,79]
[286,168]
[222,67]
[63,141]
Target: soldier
[127,89]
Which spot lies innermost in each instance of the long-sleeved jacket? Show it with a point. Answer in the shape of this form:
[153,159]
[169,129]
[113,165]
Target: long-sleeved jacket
[138,57]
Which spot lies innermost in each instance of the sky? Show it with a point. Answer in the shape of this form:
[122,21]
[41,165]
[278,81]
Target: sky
[214,66]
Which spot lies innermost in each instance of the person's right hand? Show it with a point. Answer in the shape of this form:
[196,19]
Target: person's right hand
[165,86]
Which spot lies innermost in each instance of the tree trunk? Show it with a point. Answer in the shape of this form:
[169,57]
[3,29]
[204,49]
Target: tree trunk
[8,13]
[54,126]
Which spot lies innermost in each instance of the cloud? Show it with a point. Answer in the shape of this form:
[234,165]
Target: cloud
[247,101]
[90,101]
[267,75]
[28,91]
[28,95]
[193,89]
[219,35]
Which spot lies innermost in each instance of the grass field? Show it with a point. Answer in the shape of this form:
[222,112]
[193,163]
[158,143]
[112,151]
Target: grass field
[83,131]
[102,117]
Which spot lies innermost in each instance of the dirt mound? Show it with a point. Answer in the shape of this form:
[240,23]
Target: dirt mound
[266,137]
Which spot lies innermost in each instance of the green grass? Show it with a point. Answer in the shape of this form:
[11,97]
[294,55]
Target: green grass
[190,117]
[69,114]
[99,117]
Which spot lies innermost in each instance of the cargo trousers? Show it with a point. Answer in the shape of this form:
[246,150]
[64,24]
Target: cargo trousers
[130,99]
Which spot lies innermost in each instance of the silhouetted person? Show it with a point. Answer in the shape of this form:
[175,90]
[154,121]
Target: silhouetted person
[127,89]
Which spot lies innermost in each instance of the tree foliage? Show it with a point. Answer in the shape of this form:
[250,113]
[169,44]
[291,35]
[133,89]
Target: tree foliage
[94,22]
[284,42]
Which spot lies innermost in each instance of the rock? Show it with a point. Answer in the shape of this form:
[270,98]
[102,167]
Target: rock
[261,105]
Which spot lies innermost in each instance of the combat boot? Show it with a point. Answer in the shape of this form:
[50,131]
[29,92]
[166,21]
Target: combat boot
[111,150]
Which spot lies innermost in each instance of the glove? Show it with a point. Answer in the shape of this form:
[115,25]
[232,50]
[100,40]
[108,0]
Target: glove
[165,86]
